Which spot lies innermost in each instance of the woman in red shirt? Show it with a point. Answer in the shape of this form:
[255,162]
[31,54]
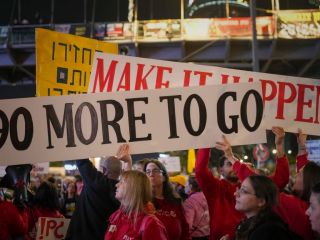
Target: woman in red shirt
[168,204]
[135,219]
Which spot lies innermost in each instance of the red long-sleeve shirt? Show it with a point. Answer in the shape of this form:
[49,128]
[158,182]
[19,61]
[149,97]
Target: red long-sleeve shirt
[302,160]
[280,176]
[224,218]
[293,211]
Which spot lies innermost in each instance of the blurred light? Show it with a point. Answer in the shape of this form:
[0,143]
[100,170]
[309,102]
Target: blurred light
[245,157]
[274,151]
[241,160]
[163,155]
[289,151]
[70,167]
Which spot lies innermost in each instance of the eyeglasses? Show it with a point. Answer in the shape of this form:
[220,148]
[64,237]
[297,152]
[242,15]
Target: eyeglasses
[243,191]
[154,172]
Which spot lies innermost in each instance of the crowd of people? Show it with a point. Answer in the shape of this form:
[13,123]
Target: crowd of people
[148,203]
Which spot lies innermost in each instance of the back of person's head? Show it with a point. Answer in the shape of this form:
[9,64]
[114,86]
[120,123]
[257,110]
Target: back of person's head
[52,180]
[78,178]
[262,171]
[139,165]
[221,161]
[179,180]
[265,189]
[47,196]
[194,184]
[112,167]
[311,176]
[137,192]
[168,192]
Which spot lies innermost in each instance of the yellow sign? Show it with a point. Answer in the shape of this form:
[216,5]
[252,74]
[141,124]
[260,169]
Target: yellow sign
[64,62]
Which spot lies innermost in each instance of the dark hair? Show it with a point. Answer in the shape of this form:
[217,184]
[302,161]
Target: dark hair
[142,161]
[221,161]
[78,178]
[316,190]
[47,196]
[193,183]
[168,192]
[311,176]
[52,180]
[264,188]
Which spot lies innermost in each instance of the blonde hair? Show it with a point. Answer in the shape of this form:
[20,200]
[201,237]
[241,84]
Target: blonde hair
[137,193]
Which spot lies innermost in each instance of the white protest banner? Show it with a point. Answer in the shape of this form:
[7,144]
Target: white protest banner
[52,228]
[290,102]
[46,129]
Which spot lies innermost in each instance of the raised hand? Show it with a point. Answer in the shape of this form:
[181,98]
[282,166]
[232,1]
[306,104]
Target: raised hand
[225,146]
[279,135]
[123,154]
[279,140]
[301,139]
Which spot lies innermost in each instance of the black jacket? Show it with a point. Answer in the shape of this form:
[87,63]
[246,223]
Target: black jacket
[269,227]
[95,205]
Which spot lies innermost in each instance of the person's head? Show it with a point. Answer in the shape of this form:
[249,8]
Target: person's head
[158,175]
[139,165]
[179,181]
[226,169]
[71,188]
[313,211]
[156,172]
[134,191]
[47,196]
[79,184]
[192,185]
[306,178]
[256,194]
[52,180]
[37,181]
[111,167]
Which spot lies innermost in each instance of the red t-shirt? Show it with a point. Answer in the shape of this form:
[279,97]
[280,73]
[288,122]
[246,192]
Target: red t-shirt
[147,226]
[219,193]
[172,217]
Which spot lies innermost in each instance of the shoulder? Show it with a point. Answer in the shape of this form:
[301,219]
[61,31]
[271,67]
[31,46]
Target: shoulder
[271,228]
[8,208]
[151,221]
[117,214]
[193,199]
[6,204]
[291,200]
